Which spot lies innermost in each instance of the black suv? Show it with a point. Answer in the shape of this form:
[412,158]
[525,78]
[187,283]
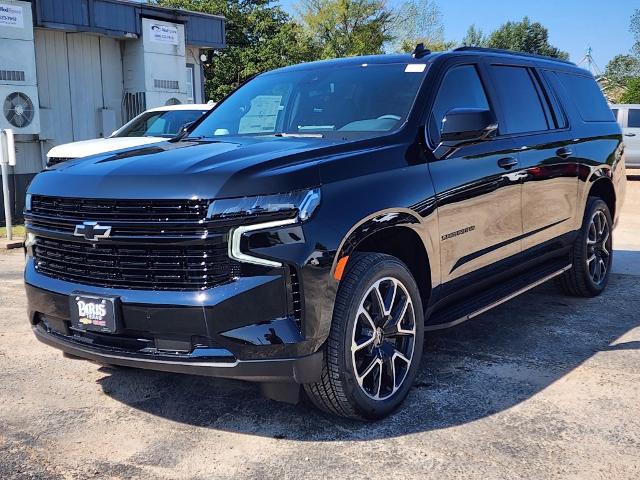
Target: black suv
[311,228]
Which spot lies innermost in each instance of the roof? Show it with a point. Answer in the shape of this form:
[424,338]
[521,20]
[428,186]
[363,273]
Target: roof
[512,53]
[122,18]
[361,60]
[407,58]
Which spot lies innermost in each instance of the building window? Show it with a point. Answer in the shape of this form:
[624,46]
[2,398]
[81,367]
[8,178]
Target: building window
[191,84]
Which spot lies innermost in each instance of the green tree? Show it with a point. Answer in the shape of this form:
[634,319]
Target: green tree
[632,93]
[474,38]
[418,21]
[635,30]
[343,28]
[622,68]
[525,36]
[260,36]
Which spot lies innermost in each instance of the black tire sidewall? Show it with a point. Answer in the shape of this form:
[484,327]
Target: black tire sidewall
[595,205]
[364,405]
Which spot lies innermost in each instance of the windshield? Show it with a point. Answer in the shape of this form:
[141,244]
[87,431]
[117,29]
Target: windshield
[316,102]
[159,124]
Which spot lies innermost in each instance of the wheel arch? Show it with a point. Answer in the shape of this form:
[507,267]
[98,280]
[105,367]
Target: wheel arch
[395,233]
[602,187]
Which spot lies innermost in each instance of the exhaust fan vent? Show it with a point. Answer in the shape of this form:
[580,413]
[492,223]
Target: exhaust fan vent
[12,75]
[18,109]
[166,84]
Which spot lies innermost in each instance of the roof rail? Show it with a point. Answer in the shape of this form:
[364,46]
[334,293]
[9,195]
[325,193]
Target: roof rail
[512,52]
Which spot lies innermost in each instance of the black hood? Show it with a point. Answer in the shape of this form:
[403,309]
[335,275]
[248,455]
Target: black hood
[238,166]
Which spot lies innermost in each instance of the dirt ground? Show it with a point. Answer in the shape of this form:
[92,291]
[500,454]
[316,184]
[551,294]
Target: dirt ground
[542,387]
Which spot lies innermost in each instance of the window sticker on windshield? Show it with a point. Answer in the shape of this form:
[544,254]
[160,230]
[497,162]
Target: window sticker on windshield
[262,115]
[415,68]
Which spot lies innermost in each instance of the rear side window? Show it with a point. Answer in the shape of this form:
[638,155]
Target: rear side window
[634,118]
[461,88]
[586,94]
[520,100]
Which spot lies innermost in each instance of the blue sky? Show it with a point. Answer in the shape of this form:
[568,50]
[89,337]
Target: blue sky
[573,24]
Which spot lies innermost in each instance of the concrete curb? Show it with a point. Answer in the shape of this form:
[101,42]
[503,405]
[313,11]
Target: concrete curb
[9,244]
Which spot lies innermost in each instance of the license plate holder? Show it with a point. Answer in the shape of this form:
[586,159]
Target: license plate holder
[96,313]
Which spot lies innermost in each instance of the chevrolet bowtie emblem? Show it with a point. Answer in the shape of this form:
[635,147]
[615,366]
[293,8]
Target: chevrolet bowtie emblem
[92,231]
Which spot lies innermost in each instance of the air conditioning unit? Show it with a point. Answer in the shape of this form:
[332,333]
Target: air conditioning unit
[19,109]
[156,64]
[19,106]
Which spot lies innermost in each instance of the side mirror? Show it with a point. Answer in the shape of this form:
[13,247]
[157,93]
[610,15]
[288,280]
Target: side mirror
[463,126]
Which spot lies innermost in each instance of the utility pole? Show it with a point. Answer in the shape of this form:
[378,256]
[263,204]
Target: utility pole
[590,63]
[7,158]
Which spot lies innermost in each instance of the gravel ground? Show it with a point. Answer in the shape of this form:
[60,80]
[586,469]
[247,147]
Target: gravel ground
[542,387]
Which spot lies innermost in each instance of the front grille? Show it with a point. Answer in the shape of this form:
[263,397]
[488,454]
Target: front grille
[53,161]
[119,210]
[164,230]
[145,267]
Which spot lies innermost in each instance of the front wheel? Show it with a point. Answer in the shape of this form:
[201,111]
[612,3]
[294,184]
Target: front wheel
[374,348]
[592,254]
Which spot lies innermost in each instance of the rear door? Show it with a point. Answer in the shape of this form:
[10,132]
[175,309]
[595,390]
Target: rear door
[533,120]
[631,132]
[479,202]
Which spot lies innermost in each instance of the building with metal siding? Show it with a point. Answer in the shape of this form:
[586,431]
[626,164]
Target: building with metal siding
[97,65]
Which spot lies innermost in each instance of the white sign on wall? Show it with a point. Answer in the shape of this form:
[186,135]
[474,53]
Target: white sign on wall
[11,16]
[163,33]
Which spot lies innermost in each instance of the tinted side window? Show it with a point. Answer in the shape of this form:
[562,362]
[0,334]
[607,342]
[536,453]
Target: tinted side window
[634,118]
[587,96]
[521,103]
[460,88]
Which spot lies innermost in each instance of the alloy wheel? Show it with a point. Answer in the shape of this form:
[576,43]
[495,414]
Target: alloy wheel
[598,247]
[383,340]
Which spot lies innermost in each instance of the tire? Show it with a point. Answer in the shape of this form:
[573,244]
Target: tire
[592,253]
[349,387]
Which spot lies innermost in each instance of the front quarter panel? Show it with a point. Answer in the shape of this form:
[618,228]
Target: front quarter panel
[362,194]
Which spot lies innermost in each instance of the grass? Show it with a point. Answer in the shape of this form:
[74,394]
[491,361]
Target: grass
[18,231]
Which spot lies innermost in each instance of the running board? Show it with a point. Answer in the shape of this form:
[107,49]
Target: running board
[496,302]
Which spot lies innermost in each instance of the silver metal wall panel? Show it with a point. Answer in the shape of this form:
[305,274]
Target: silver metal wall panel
[112,81]
[28,158]
[85,83]
[53,84]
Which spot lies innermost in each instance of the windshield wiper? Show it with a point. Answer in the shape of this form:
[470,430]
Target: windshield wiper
[299,135]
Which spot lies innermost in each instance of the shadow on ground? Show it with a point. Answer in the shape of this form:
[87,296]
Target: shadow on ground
[477,369]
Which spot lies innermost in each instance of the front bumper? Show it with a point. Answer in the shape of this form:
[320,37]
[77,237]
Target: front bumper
[239,330]
[299,370]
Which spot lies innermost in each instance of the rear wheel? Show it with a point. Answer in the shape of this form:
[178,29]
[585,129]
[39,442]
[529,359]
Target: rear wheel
[375,345]
[592,254]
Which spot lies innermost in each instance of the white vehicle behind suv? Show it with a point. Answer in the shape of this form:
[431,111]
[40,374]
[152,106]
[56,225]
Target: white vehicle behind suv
[153,126]
[628,117]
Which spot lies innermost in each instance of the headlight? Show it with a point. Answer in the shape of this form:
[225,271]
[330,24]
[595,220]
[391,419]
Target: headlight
[302,202]
[298,205]
[27,202]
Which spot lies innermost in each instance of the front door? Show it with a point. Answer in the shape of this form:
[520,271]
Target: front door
[478,188]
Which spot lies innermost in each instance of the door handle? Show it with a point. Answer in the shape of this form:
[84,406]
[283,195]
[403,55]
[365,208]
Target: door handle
[507,162]
[629,134]
[564,152]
